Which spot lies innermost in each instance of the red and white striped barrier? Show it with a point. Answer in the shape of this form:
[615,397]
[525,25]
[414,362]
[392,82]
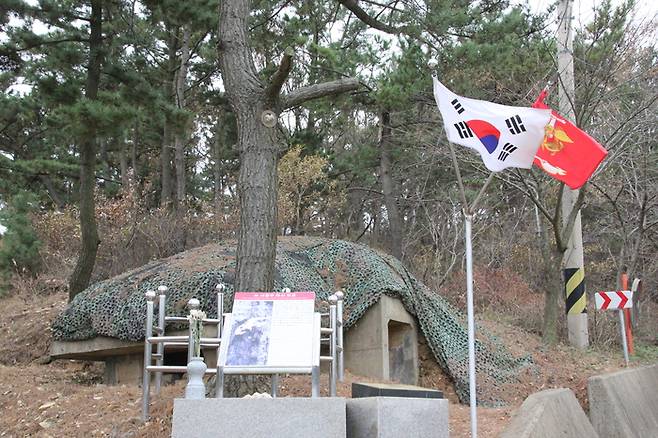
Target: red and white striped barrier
[614,300]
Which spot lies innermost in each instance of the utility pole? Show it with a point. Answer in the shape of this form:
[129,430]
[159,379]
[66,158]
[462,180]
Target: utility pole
[573,263]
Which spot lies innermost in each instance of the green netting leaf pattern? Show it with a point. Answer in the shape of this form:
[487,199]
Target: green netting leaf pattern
[117,307]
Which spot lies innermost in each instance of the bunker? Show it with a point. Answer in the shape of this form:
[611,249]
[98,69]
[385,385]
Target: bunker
[385,308]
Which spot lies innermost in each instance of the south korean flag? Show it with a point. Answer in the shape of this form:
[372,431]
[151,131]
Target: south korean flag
[505,136]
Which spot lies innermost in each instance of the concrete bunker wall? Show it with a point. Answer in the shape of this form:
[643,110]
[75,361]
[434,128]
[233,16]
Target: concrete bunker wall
[383,344]
[124,360]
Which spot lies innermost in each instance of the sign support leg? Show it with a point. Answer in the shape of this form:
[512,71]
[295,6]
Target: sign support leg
[622,326]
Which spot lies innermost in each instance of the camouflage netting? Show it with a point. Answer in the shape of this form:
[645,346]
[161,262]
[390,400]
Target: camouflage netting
[117,307]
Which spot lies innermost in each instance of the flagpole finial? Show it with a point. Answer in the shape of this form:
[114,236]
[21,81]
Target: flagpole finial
[433,64]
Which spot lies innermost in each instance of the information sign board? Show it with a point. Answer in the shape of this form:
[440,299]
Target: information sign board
[270,330]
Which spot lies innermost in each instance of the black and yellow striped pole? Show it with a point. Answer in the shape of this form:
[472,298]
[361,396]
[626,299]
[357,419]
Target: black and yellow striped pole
[573,262]
[574,286]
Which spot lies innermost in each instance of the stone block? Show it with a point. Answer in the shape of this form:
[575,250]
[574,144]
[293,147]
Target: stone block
[625,403]
[549,414]
[383,344]
[259,418]
[360,390]
[395,417]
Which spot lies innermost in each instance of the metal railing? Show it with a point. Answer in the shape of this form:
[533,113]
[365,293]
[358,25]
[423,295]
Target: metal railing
[161,341]
[155,335]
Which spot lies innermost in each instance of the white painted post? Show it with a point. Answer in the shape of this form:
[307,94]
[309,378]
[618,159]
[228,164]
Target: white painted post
[146,377]
[192,304]
[162,296]
[339,340]
[333,370]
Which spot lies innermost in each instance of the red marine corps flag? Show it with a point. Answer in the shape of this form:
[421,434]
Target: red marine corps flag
[567,153]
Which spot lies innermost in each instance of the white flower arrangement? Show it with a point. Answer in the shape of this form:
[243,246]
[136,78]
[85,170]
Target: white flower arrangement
[196,318]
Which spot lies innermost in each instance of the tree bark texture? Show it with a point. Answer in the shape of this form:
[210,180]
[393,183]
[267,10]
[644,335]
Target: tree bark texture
[388,186]
[257,146]
[133,152]
[179,137]
[123,165]
[551,283]
[165,158]
[81,275]
[166,189]
[257,180]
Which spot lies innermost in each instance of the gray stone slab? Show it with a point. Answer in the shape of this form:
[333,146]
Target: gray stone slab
[625,403]
[549,414]
[259,418]
[360,390]
[396,417]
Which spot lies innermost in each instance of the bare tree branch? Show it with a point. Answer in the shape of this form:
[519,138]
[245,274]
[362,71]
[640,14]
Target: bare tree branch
[310,92]
[279,77]
[353,6]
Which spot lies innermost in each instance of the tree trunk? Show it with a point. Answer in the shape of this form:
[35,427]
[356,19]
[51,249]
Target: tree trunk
[54,194]
[257,181]
[218,190]
[81,275]
[104,163]
[133,153]
[165,154]
[165,157]
[256,108]
[123,165]
[179,138]
[388,186]
[552,285]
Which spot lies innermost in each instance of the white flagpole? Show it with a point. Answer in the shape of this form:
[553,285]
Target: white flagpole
[470,308]
[470,311]
[468,218]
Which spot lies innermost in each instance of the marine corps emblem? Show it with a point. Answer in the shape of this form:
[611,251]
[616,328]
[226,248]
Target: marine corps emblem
[555,138]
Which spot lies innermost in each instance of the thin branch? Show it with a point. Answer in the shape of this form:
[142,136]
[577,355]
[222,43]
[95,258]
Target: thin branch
[481,192]
[529,192]
[382,5]
[353,6]
[268,19]
[364,189]
[51,43]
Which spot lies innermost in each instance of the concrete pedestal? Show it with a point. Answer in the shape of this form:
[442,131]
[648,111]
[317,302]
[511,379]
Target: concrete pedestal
[395,417]
[548,414]
[383,344]
[259,418]
[625,403]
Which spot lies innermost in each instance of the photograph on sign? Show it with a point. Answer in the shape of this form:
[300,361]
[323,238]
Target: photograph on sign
[250,333]
[271,330]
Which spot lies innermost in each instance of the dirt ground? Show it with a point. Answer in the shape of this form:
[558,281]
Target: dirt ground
[67,399]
